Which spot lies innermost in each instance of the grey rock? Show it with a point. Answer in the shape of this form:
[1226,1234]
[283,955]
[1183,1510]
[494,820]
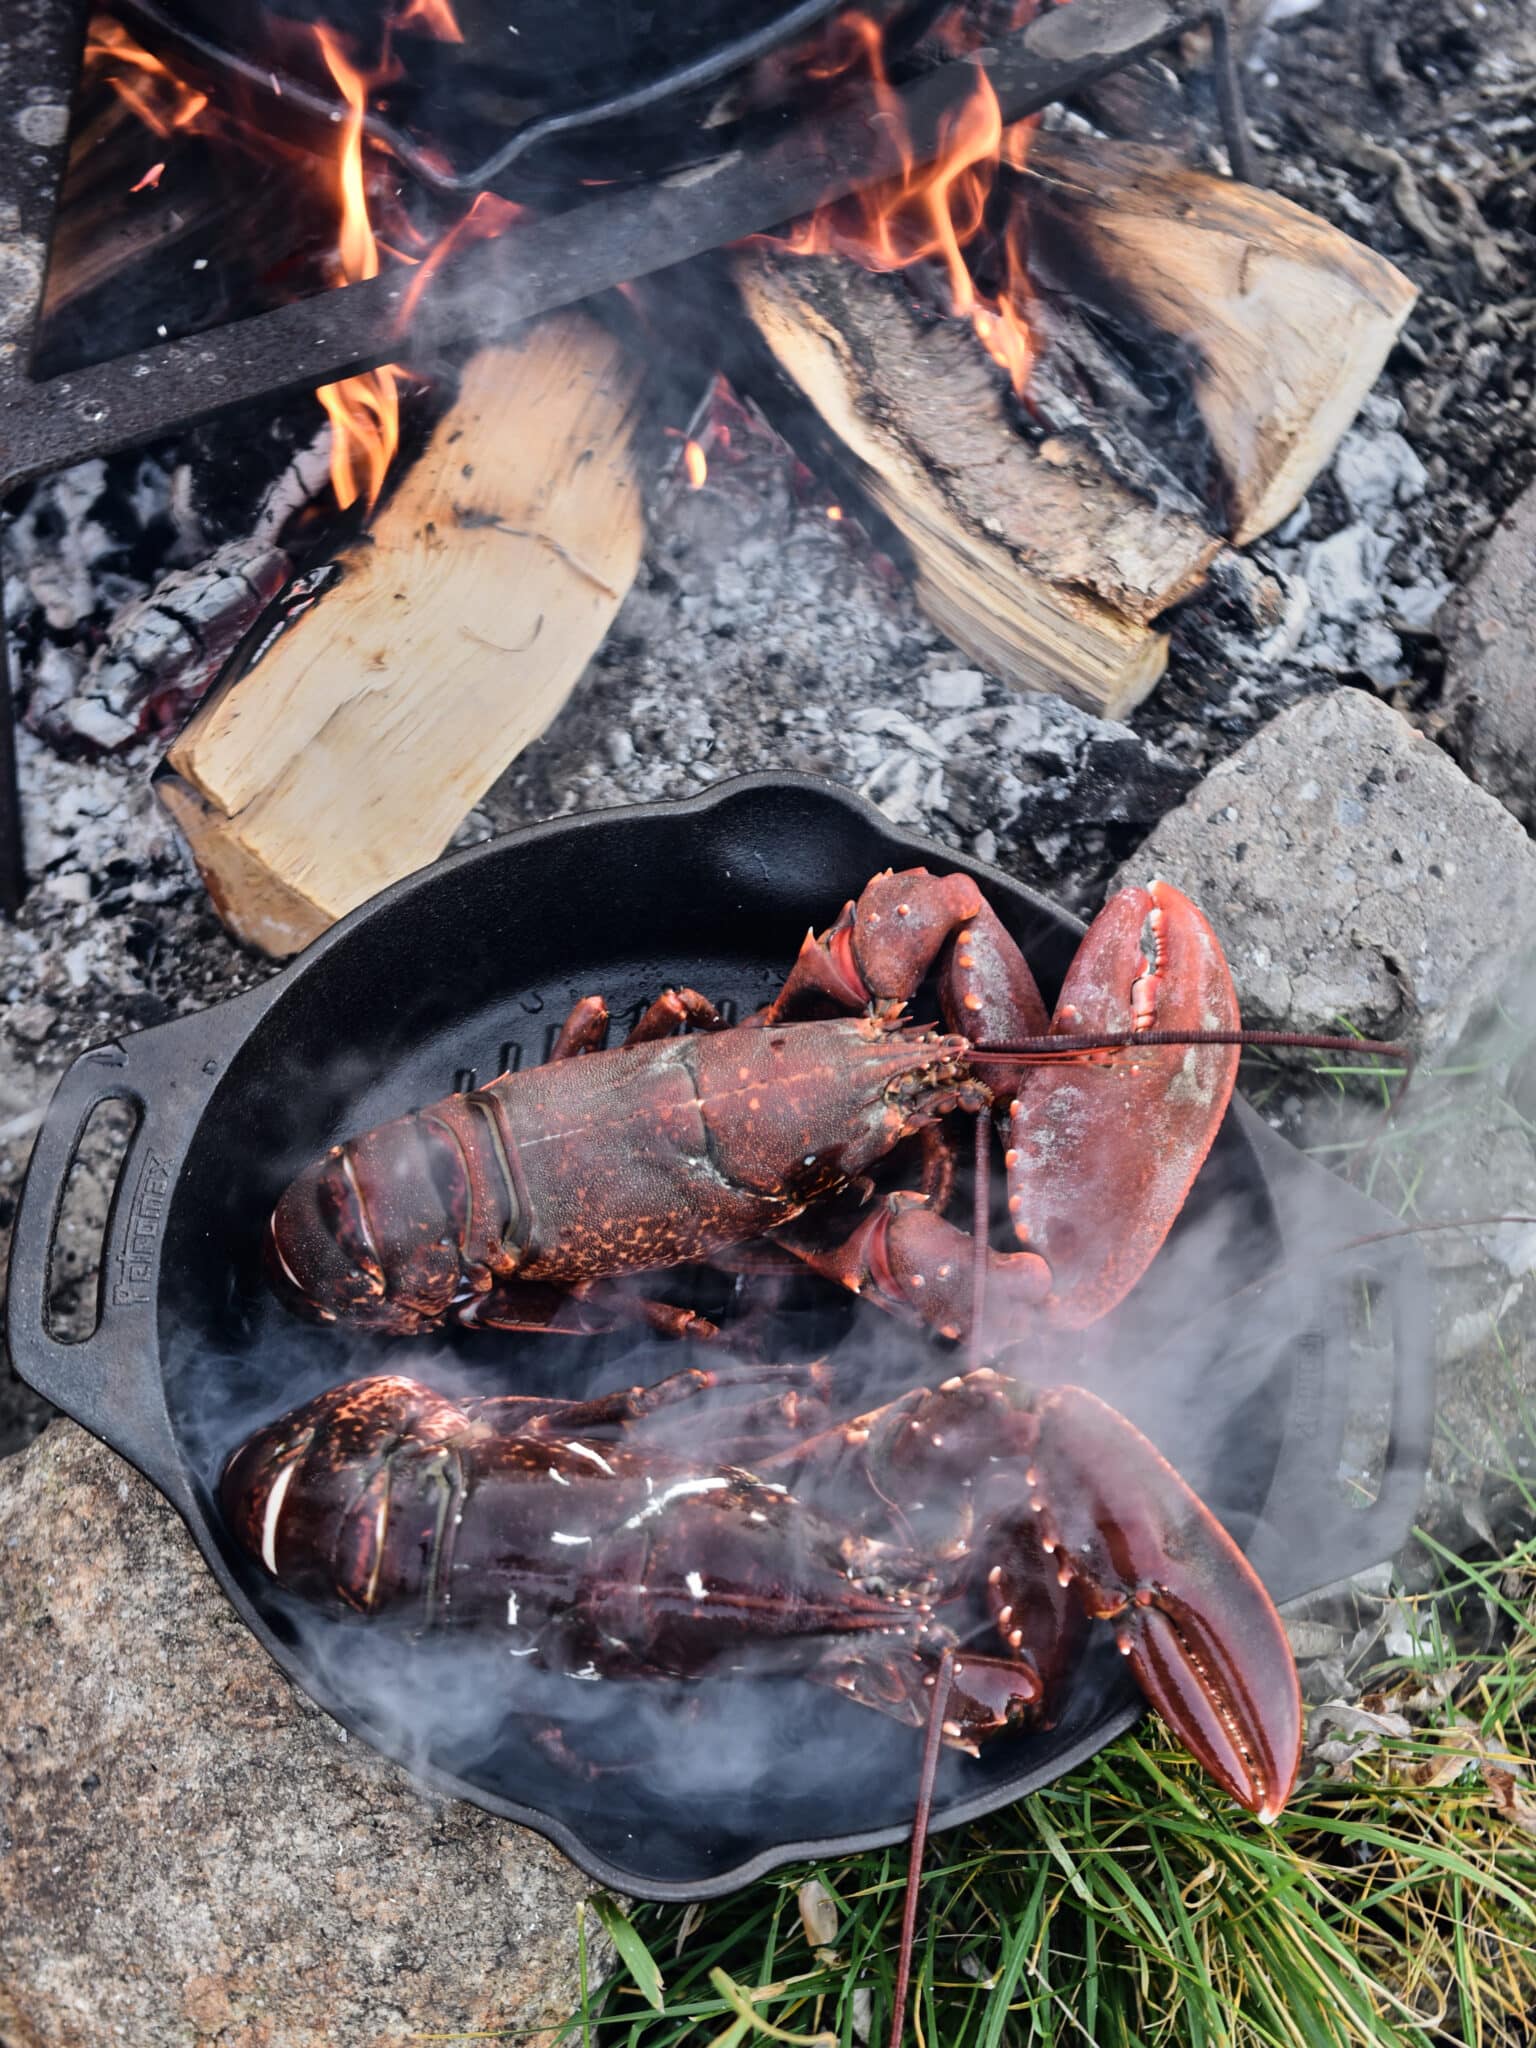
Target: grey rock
[1352,871]
[1491,663]
[191,1853]
[33,1023]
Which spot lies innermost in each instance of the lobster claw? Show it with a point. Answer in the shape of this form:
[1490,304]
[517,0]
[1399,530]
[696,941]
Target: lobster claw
[1190,1612]
[1100,1161]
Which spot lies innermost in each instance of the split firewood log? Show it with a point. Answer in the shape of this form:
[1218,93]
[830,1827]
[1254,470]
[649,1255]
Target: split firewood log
[1051,547]
[1283,320]
[1032,555]
[352,749]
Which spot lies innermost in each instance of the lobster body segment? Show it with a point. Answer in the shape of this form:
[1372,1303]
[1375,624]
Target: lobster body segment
[485,1207]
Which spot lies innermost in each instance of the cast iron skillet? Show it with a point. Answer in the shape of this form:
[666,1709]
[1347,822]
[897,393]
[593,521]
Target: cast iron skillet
[686,1792]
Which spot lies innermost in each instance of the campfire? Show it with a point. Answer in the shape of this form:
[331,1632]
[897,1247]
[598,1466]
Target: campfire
[998,466]
[1051,376]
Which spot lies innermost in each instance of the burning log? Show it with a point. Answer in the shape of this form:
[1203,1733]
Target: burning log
[346,756]
[1052,554]
[1284,320]
[1034,557]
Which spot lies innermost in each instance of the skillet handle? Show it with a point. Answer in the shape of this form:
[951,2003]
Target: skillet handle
[110,1380]
[1310,1536]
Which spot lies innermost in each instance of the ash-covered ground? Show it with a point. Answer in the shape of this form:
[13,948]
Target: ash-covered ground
[764,634]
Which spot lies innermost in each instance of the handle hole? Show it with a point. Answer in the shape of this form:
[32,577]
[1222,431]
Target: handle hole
[72,1309]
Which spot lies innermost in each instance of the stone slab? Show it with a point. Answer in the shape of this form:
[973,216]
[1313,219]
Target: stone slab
[191,1853]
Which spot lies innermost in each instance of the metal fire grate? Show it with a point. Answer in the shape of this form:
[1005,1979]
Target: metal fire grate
[547,263]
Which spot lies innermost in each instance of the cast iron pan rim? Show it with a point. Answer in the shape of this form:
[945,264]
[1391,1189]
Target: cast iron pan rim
[768,782]
[683,1891]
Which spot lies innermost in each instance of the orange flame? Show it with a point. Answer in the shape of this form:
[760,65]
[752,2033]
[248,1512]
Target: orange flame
[696,463]
[486,218]
[364,410]
[432,17]
[162,101]
[935,212]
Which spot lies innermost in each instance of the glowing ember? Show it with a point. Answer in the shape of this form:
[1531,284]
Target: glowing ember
[150,178]
[936,212]
[834,513]
[695,463]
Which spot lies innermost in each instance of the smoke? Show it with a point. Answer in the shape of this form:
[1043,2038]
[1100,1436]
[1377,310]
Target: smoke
[1216,1354]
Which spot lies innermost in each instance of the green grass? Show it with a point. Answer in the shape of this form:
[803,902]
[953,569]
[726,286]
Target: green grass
[1130,1905]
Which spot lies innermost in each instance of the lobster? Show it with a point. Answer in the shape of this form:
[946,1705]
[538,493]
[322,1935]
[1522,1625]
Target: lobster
[514,1206]
[1046,1511]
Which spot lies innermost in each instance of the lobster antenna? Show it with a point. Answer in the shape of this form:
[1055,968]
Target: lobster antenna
[932,1743]
[1070,1045]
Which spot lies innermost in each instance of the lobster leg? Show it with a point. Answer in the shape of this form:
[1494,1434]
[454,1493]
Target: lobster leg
[630,1408]
[588,1309]
[587,1026]
[675,1006]
[906,1257]
[583,1030]
[987,1694]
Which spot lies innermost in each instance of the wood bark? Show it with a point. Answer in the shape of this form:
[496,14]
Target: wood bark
[348,754]
[1031,554]
[1284,320]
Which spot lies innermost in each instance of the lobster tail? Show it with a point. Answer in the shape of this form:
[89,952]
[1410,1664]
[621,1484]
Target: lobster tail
[322,1495]
[389,1228]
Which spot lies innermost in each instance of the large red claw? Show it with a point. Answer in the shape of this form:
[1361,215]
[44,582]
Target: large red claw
[1190,1612]
[1101,1156]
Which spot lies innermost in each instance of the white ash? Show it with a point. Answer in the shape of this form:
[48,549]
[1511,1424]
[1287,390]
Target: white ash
[762,636]
[71,550]
[94,686]
[1341,591]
